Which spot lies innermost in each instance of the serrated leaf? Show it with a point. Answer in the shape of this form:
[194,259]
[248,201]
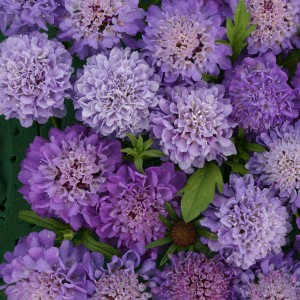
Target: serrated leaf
[171,212]
[253,147]
[152,153]
[147,144]
[237,167]
[130,151]
[200,190]
[160,242]
[165,258]
[138,161]
[133,139]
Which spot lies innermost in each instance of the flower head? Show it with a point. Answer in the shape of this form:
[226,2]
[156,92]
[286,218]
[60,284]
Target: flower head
[100,24]
[193,276]
[279,166]
[38,270]
[114,93]
[249,222]
[64,176]
[34,78]
[180,39]
[129,213]
[192,125]
[260,94]
[22,16]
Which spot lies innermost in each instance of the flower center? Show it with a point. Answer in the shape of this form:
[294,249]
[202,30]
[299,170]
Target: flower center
[183,234]
[268,5]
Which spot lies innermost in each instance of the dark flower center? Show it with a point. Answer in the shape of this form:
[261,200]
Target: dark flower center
[268,5]
[183,234]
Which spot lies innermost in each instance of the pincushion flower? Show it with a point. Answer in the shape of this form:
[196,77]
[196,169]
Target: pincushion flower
[96,25]
[122,278]
[249,222]
[278,167]
[34,78]
[114,93]
[192,125]
[38,270]
[23,16]
[260,94]
[181,39]
[278,278]
[193,276]
[63,177]
[129,213]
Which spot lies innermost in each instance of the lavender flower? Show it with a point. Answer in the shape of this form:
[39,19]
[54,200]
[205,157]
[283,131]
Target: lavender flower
[100,24]
[64,176]
[129,213]
[34,78]
[260,94]
[114,93]
[38,270]
[192,276]
[278,278]
[278,167]
[180,39]
[249,222]
[193,125]
[22,16]
[122,278]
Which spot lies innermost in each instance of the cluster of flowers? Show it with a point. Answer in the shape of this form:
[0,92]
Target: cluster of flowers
[143,74]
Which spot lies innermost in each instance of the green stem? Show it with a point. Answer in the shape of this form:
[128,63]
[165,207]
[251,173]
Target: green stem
[54,122]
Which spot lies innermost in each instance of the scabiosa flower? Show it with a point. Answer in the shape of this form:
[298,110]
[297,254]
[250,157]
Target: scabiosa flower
[122,278]
[34,78]
[260,94]
[192,125]
[114,93]
[193,276]
[64,176]
[278,278]
[180,39]
[21,16]
[249,222]
[38,270]
[279,166]
[97,25]
[129,213]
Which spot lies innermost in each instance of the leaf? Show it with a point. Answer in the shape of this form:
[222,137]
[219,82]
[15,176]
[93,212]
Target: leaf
[253,147]
[146,3]
[133,139]
[171,212]
[200,190]
[138,161]
[237,167]
[165,221]
[165,258]
[207,234]
[160,242]
[139,144]
[239,31]
[147,144]
[202,248]
[289,61]
[243,155]
[209,78]
[130,151]
[152,153]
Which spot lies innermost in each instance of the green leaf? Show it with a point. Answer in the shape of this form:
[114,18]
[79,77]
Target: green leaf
[243,155]
[146,3]
[133,140]
[222,42]
[138,161]
[152,153]
[165,258]
[160,242]
[171,212]
[209,78]
[237,167]
[239,31]
[289,61]
[165,221]
[200,190]
[207,234]
[202,248]
[253,147]
[147,144]
[139,145]
[130,151]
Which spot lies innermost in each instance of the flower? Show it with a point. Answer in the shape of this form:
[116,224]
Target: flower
[181,39]
[249,222]
[192,125]
[279,166]
[97,25]
[129,212]
[38,270]
[123,278]
[278,278]
[63,177]
[34,78]
[114,93]
[261,97]
[193,276]
[23,16]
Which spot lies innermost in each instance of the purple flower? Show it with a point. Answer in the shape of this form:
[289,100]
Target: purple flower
[114,93]
[98,25]
[260,94]
[193,125]
[34,78]
[22,16]
[64,176]
[129,213]
[275,277]
[278,167]
[193,276]
[249,222]
[122,278]
[181,39]
[38,270]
